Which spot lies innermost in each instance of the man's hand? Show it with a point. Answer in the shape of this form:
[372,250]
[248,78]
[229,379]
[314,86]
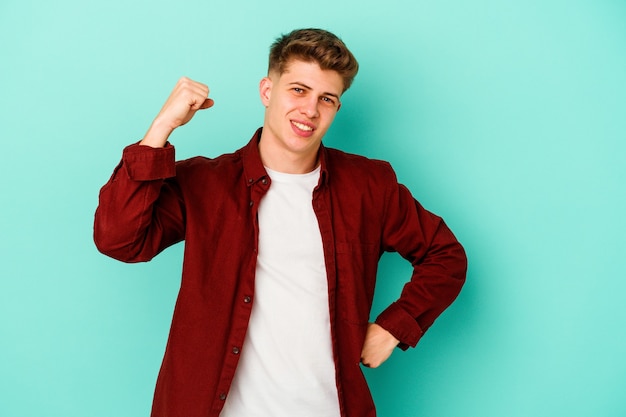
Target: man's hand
[185,100]
[378,346]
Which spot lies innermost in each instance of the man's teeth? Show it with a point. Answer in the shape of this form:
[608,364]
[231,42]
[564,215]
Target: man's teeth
[302,126]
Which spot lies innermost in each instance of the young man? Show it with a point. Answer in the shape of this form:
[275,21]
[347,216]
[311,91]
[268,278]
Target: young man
[283,239]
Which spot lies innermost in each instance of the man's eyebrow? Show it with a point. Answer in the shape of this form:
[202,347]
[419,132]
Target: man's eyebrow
[301,84]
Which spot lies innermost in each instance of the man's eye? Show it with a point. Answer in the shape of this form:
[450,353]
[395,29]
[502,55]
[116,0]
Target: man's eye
[328,100]
[298,90]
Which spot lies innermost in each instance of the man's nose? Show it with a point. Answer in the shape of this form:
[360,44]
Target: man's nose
[310,107]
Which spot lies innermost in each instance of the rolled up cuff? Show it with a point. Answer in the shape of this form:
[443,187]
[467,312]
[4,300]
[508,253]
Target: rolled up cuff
[144,163]
[401,325]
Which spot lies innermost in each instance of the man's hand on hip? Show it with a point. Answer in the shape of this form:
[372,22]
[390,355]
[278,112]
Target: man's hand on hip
[378,346]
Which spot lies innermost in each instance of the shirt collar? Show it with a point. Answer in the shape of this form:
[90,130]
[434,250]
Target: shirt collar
[254,170]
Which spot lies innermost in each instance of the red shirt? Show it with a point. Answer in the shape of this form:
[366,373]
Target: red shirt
[152,202]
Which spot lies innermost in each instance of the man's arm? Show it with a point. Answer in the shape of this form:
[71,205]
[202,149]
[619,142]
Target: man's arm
[140,209]
[439,268]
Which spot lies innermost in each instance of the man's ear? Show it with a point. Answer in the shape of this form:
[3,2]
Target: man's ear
[265,90]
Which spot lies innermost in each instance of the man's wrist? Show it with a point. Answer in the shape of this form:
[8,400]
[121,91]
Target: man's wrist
[157,135]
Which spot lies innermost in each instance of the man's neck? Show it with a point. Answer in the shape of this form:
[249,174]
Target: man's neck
[281,160]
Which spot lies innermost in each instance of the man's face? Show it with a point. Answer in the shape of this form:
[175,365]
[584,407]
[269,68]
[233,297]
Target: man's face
[301,104]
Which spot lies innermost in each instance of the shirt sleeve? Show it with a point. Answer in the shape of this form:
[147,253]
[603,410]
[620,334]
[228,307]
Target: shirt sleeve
[140,210]
[439,265]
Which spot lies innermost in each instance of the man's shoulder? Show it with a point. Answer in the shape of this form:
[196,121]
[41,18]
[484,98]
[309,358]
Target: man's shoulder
[225,166]
[341,161]
[222,165]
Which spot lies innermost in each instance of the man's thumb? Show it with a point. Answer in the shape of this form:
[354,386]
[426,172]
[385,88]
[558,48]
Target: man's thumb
[207,103]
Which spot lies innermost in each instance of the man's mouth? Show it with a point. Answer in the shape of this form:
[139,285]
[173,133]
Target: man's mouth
[302,126]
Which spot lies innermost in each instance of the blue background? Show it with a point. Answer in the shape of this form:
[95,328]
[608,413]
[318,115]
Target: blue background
[508,118]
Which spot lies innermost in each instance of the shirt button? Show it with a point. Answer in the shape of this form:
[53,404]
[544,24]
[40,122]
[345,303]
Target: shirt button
[247,299]
[236,350]
[251,203]
[264,181]
[222,396]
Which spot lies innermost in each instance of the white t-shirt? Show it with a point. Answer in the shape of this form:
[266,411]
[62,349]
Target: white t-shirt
[287,368]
